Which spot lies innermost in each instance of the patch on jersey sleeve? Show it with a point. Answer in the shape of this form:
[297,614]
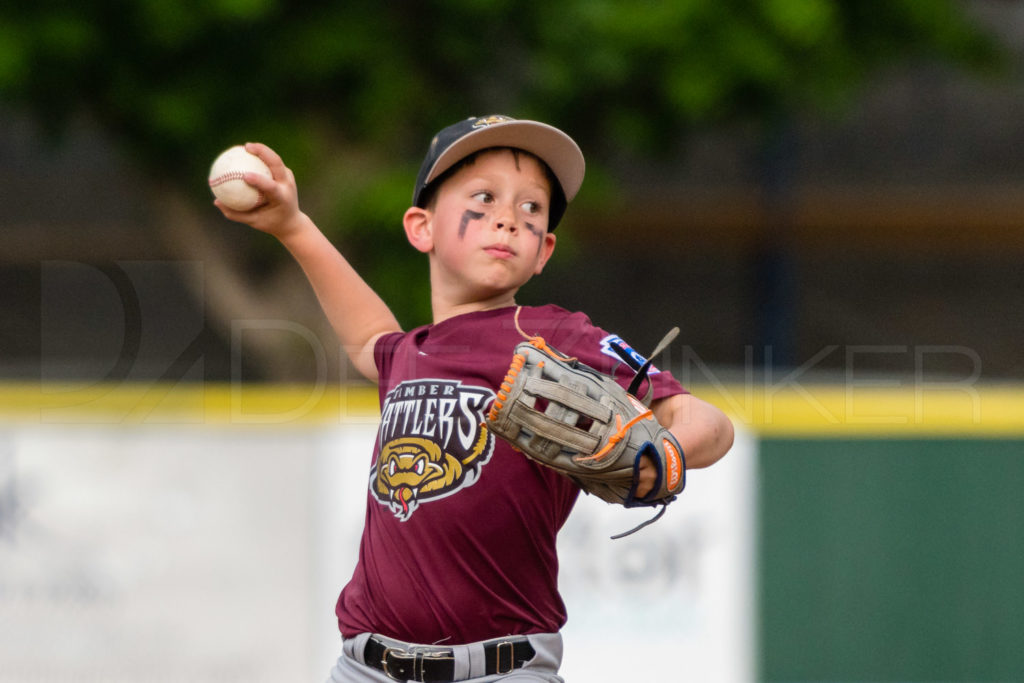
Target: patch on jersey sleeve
[616,347]
[432,443]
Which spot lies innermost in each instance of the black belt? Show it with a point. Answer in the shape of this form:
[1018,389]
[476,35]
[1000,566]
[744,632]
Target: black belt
[436,664]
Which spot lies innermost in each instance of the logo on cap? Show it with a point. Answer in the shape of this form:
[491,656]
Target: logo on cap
[491,120]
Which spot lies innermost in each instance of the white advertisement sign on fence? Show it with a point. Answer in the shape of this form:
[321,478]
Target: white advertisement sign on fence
[215,553]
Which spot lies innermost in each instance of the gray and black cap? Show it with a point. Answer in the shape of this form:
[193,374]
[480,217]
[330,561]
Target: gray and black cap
[547,143]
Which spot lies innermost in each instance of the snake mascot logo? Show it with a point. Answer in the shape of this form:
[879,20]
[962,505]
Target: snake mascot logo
[432,443]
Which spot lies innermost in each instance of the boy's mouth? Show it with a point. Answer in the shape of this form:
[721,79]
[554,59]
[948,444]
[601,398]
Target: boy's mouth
[499,251]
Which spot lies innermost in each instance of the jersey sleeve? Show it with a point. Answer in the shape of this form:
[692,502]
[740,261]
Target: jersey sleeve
[384,352]
[602,350]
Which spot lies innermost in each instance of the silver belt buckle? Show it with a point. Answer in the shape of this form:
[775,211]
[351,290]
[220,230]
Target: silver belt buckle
[416,657]
[388,651]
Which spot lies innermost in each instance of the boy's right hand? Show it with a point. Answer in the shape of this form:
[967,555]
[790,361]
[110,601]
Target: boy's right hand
[279,214]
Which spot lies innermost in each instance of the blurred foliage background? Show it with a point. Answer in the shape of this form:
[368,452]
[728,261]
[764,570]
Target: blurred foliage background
[351,92]
[814,190]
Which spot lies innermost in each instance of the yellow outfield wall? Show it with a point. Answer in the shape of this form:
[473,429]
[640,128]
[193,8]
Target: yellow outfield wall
[976,410]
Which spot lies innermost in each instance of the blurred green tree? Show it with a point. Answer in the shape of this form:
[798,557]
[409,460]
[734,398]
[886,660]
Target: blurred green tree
[349,92]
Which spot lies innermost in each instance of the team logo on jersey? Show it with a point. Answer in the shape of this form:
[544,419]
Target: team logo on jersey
[432,443]
[617,348]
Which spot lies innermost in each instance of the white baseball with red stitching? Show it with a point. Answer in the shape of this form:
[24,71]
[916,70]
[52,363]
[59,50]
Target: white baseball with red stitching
[226,178]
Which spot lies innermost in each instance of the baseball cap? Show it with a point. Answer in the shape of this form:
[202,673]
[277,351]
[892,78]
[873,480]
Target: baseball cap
[552,146]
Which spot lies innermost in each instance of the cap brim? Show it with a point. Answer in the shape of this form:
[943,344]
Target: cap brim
[549,144]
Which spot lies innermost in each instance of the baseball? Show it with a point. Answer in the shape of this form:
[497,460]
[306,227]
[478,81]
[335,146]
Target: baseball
[226,178]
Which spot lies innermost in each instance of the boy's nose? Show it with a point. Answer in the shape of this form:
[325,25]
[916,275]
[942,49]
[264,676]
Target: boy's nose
[505,220]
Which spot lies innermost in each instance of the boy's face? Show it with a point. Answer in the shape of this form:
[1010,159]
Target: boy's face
[489,225]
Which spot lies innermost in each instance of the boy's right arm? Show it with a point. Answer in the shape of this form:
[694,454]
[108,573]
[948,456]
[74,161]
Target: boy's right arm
[359,317]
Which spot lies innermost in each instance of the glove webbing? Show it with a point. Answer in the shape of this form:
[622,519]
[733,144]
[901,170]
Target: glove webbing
[581,440]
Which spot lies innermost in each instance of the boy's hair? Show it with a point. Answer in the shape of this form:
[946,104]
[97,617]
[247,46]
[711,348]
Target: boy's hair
[557,205]
[558,153]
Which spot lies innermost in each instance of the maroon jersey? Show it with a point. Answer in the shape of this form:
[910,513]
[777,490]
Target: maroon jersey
[459,539]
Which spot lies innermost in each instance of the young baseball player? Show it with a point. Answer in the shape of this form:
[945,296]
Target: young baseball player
[457,571]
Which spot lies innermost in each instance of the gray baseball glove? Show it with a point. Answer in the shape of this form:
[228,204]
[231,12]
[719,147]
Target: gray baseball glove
[574,419]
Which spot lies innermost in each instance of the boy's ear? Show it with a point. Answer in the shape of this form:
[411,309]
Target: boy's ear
[418,228]
[547,248]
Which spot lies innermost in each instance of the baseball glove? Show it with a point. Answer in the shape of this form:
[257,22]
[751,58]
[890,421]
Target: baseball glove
[574,419]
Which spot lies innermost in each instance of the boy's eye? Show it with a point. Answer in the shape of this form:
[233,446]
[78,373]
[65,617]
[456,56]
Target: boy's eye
[484,196]
[531,207]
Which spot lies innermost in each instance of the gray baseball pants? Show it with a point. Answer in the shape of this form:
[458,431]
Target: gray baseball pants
[543,668]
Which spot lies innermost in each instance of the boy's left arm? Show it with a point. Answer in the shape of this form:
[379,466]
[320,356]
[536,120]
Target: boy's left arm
[703,431]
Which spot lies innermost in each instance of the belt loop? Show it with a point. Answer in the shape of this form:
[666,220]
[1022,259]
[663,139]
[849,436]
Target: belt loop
[417,666]
[506,653]
[477,660]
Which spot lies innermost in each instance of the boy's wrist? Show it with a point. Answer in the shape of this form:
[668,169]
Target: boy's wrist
[295,228]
